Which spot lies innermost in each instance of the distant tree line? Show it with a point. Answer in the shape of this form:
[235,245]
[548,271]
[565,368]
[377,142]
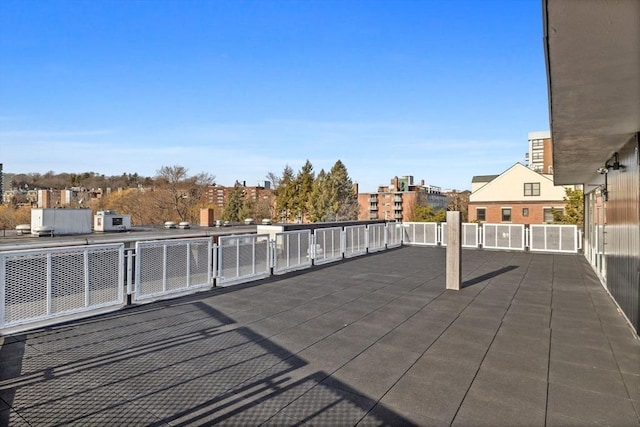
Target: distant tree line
[60,181]
[307,197]
[175,195]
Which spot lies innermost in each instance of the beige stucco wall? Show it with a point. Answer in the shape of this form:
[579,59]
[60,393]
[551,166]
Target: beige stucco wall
[510,187]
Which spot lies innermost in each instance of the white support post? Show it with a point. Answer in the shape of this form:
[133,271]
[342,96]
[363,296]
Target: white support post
[454,250]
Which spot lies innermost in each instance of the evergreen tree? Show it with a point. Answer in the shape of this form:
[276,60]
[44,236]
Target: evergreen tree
[320,206]
[342,197]
[303,185]
[248,208]
[233,210]
[285,195]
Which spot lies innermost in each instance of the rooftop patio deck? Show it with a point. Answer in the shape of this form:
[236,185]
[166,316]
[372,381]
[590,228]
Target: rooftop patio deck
[531,339]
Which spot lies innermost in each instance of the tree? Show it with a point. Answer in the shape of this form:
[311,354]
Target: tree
[248,208]
[342,197]
[574,209]
[320,206]
[459,201]
[273,179]
[428,214]
[180,193]
[11,216]
[233,210]
[303,185]
[264,208]
[285,195]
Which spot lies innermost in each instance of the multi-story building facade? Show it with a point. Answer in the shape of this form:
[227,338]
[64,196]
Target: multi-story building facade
[520,195]
[396,202]
[218,195]
[540,154]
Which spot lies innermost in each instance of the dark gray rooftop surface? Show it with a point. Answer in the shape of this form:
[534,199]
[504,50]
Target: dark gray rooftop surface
[532,339]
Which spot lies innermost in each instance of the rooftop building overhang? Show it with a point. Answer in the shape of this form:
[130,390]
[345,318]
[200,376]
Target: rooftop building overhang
[592,52]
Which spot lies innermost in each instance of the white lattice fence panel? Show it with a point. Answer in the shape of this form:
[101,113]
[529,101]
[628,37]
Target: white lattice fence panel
[43,284]
[165,267]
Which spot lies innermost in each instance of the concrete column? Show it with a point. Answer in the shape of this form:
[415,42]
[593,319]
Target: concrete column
[454,250]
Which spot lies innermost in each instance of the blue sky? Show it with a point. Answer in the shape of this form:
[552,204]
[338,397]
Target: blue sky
[441,90]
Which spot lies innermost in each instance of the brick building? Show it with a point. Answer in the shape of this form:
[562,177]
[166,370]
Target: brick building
[517,196]
[397,201]
[540,154]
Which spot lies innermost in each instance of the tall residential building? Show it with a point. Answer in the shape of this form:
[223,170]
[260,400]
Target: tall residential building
[396,201]
[540,154]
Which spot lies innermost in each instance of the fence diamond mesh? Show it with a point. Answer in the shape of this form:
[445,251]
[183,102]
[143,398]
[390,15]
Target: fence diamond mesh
[43,284]
[167,266]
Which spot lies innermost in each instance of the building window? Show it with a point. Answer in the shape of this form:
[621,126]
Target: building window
[532,189]
[506,214]
[525,211]
[537,143]
[481,214]
[548,213]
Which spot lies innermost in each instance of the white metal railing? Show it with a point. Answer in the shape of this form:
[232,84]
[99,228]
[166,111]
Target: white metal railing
[46,285]
[553,238]
[166,267]
[355,240]
[243,258]
[394,232]
[327,245]
[421,233]
[470,235]
[504,236]
[41,284]
[376,237]
[292,251]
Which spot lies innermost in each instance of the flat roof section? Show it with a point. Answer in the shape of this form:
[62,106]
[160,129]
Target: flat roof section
[376,340]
